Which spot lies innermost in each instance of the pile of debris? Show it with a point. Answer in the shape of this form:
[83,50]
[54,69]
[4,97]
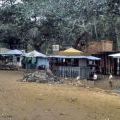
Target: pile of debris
[40,76]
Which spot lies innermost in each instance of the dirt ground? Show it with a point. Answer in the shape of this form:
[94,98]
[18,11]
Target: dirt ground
[33,101]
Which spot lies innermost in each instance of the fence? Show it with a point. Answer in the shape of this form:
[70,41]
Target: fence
[72,72]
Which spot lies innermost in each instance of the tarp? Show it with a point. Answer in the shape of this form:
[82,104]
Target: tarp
[34,53]
[14,52]
[71,52]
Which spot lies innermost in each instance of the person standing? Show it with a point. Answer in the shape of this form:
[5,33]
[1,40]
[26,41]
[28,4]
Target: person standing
[110,81]
[95,77]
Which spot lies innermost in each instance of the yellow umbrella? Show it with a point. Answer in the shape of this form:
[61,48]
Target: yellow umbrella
[71,52]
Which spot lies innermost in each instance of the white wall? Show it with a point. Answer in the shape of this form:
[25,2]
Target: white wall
[42,61]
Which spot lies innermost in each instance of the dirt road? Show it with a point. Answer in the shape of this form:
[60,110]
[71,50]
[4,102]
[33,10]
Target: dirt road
[31,101]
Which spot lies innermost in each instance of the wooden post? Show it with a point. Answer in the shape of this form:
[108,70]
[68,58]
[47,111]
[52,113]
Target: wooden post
[118,61]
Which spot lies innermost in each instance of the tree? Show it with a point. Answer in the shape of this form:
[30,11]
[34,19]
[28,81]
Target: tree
[40,24]
[113,14]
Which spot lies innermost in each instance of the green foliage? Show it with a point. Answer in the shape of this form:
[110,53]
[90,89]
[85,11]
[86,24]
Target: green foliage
[40,24]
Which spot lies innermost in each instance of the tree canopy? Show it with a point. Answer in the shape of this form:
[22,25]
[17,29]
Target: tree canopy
[40,23]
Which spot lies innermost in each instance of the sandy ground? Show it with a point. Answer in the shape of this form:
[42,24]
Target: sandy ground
[33,101]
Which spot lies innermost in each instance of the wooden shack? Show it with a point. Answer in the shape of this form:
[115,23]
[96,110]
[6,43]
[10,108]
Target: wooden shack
[99,46]
[107,64]
[102,49]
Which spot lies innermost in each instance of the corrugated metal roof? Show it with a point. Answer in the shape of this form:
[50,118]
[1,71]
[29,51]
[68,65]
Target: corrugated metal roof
[75,57]
[3,50]
[34,53]
[14,52]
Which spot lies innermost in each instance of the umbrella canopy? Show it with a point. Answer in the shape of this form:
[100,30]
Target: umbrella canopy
[117,55]
[71,52]
[14,52]
[34,53]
